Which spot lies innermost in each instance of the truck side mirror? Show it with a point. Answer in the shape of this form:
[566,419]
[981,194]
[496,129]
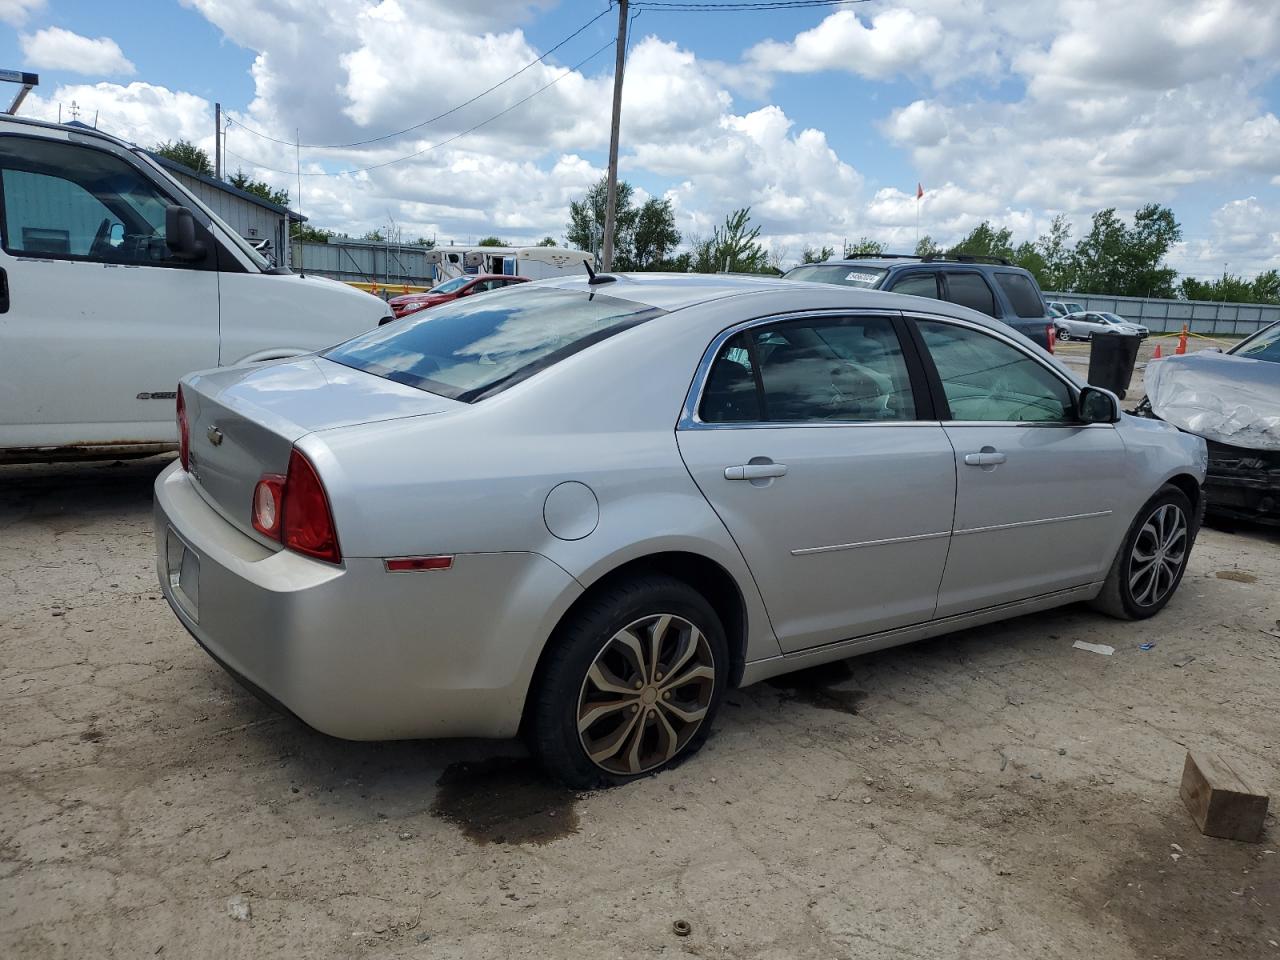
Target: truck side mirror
[180,234]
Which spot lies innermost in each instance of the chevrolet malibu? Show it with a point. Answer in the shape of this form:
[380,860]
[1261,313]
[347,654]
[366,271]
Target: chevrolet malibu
[583,510]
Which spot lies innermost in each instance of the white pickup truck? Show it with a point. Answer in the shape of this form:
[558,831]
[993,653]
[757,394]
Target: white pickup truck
[114,282]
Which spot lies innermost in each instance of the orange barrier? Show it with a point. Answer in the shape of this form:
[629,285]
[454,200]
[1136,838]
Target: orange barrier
[1182,342]
[1156,355]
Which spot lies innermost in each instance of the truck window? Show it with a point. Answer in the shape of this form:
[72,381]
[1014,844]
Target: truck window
[917,285]
[62,200]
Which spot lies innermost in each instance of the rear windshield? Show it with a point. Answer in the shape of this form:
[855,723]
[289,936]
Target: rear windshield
[472,348]
[840,273]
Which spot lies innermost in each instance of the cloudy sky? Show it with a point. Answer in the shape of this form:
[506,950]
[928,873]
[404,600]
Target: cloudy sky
[821,120]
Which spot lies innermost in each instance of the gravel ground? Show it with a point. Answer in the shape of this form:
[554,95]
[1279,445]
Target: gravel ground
[990,794]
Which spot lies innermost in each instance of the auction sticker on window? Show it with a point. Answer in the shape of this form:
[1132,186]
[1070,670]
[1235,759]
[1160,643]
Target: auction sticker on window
[856,277]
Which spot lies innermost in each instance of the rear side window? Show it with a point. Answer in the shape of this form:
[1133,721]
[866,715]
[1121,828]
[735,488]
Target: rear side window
[806,371]
[971,290]
[472,348]
[1022,294]
[918,285]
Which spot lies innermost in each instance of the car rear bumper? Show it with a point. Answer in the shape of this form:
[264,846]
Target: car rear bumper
[352,650]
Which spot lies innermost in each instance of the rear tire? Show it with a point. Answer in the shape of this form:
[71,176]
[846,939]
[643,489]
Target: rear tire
[1152,559]
[631,685]
[1064,336]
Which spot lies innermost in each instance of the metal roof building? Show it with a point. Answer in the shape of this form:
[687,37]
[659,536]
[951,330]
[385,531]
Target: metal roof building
[249,215]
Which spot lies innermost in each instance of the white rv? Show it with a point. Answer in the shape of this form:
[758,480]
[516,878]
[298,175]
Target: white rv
[536,263]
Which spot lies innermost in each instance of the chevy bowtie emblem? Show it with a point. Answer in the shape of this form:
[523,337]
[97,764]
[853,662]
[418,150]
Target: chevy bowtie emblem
[215,436]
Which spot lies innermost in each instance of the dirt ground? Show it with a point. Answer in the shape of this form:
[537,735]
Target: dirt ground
[990,794]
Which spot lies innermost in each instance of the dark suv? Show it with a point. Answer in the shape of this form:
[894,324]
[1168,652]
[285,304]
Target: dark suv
[991,285]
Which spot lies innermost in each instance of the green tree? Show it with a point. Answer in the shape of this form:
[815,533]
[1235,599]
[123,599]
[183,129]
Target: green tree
[1264,288]
[926,247]
[310,234]
[985,240]
[492,242]
[428,242]
[654,237]
[1058,256]
[374,236]
[733,247]
[810,255]
[864,246]
[186,153]
[547,241]
[1118,259]
[585,228]
[258,188]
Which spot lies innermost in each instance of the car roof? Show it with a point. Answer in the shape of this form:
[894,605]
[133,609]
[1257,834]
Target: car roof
[907,260]
[675,291]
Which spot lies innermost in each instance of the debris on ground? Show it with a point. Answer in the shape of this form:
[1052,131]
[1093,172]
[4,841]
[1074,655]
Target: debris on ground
[1221,802]
[682,928]
[238,908]
[1101,648]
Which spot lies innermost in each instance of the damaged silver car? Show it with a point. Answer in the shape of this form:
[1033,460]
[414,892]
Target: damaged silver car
[1232,400]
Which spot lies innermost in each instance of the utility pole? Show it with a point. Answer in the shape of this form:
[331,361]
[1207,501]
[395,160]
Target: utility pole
[611,198]
[217,140]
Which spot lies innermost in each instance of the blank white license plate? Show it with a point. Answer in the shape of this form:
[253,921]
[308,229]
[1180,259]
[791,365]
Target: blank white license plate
[184,574]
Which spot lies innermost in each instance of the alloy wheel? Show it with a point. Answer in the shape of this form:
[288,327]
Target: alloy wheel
[1158,554]
[646,694]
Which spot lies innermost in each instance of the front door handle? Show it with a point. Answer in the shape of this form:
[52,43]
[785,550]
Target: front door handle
[987,458]
[755,471]
[4,291]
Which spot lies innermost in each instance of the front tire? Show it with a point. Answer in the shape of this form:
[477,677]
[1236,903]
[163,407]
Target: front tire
[1064,336]
[631,685]
[1152,559]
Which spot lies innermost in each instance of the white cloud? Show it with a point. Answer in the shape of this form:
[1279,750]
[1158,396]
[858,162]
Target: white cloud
[16,12]
[54,48]
[896,41]
[141,113]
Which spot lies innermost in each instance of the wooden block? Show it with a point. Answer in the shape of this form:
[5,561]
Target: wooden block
[1221,802]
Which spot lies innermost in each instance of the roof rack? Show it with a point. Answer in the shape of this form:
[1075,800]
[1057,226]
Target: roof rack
[965,258]
[879,256]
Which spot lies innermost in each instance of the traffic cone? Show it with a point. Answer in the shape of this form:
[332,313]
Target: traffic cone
[1156,355]
[1182,341]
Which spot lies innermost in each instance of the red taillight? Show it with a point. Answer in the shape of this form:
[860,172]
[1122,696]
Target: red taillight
[294,509]
[268,505]
[1051,335]
[184,433]
[306,521]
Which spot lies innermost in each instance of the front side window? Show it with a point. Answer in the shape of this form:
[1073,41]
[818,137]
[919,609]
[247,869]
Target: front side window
[807,371]
[1022,294]
[472,348]
[451,286]
[971,290]
[985,379]
[65,200]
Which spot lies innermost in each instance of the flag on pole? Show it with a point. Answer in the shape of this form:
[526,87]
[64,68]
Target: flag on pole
[919,191]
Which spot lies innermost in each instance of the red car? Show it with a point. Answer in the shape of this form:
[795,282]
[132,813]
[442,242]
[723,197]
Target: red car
[451,290]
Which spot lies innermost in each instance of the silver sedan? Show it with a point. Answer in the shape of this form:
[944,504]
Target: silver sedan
[1082,326]
[583,511]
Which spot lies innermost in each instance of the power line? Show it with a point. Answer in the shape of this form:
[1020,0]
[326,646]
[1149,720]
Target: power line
[439,116]
[685,6]
[456,136]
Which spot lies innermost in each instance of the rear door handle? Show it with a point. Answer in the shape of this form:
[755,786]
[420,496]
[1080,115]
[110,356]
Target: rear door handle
[988,458]
[755,471]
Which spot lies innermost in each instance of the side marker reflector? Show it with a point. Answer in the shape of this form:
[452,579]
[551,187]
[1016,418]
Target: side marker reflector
[414,564]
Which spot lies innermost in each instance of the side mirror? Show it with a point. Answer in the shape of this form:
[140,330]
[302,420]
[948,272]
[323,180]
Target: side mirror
[180,234]
[1098,406]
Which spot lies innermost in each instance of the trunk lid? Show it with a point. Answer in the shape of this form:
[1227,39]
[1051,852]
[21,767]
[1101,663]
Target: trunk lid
[244,421]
